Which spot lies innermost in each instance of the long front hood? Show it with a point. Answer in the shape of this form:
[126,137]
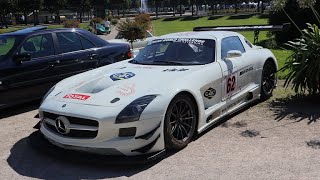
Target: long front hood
[123,83]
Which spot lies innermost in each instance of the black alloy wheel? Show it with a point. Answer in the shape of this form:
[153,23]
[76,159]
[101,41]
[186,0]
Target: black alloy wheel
[180,122]
[268,80]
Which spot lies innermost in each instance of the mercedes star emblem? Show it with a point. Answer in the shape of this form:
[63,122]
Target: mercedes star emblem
[62,125]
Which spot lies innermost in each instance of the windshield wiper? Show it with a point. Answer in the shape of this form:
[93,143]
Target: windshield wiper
[133,61]
[169,62]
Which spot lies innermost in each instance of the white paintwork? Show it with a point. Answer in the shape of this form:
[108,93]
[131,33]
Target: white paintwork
[152,80]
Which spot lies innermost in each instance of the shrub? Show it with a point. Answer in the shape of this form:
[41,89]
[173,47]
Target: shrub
[131,30]
[97,20]
[299,16]
[144,20]
[114,21]
[271,44]
[304,63]
[71,23]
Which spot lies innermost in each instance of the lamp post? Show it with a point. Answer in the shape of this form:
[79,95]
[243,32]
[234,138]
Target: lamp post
[35,17]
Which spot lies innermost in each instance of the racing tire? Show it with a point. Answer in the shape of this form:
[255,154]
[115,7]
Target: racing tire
[180,122]
[268,80]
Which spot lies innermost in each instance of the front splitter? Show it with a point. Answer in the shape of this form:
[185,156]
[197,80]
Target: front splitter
[41,144]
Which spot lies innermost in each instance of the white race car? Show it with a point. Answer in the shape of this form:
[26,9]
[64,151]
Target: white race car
[176,87]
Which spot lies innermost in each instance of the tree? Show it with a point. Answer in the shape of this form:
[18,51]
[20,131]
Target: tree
[183,3]
[156,4]
[55,6]
[80,6]
[291,12]
[131,31]
[99,6]
[27,6]
[4,10]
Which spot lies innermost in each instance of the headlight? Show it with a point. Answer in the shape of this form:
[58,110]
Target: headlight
[47,94]
[133,111]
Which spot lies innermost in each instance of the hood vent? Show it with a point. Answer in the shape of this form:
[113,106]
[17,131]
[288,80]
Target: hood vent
[96,86]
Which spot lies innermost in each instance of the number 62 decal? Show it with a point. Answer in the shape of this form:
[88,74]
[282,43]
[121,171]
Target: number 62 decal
[231,83]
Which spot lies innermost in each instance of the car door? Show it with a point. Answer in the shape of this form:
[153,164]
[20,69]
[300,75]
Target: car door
[76,54]
[235,68]
[32,77]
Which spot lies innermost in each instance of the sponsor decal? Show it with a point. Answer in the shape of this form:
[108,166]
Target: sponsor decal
[233,105]
[210,93]
[246,70]
[143,67]
[77,97]
[122,76]
[187,34]
[121,67]
[127,90]
[174,70]
[181,40]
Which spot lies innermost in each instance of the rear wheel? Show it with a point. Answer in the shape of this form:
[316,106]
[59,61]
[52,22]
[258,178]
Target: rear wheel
[180,122]
[268,80]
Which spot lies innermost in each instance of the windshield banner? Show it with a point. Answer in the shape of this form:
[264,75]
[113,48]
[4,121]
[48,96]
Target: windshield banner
[181,40]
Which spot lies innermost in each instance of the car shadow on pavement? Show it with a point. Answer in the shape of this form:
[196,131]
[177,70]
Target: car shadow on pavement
[19,109]
[297,108]
[223,122]
[29,162]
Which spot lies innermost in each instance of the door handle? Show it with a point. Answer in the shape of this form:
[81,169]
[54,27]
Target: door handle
[54,62]
[92,56]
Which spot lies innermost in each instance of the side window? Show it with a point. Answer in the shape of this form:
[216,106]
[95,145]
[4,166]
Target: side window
[148,34]
[69,42]
[248,42]
[38,46]
[86,44]
[231,43]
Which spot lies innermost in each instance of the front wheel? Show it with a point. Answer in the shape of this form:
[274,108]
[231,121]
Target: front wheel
[180,122]
[268,80]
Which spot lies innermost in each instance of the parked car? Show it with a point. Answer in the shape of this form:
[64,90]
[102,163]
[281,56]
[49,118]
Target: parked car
[138,44]
[178,85]
[34,59]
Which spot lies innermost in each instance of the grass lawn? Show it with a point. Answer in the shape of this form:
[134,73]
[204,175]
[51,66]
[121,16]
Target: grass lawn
[170,25]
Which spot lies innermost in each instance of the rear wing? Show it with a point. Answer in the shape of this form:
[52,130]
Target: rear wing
[255,28]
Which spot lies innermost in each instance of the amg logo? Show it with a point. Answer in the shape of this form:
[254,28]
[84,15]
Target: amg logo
[77,96]
[246,70]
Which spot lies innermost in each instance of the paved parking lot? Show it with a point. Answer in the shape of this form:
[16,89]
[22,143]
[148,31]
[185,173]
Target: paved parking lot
[280,151]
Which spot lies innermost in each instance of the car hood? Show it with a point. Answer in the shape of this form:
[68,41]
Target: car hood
[123,83]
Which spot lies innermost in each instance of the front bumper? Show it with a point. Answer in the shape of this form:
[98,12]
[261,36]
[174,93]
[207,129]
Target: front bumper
[147,139]
[41,144]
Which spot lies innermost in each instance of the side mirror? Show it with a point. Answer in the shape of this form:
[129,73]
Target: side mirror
[19,58]
[234,54]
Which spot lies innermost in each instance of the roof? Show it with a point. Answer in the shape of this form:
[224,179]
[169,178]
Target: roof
[27,30]
[35,29]
[201,34]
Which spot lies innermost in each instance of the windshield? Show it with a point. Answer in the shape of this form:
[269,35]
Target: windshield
[6,44]
[177,51]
